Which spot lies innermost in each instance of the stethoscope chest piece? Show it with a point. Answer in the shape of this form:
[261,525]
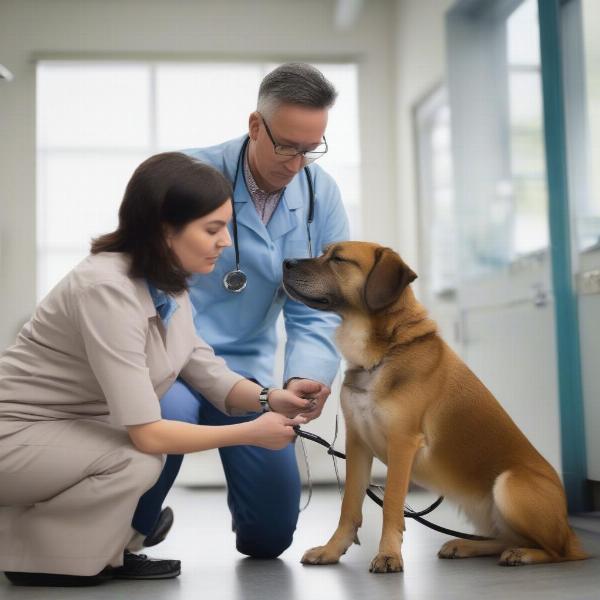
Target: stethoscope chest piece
[235,281]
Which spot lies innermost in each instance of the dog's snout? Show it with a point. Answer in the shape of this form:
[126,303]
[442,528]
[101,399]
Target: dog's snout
[289,263]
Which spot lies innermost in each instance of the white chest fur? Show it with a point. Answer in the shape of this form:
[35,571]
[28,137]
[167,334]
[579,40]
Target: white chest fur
[362,413]
[353,340]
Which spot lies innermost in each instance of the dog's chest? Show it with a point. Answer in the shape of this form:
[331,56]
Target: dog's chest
[353,340]
[362,412]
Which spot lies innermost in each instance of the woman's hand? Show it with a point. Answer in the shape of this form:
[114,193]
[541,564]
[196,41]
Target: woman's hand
[287,403]
[272,430]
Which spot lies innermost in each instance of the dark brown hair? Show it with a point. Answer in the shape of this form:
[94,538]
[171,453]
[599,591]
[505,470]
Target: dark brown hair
[166,189]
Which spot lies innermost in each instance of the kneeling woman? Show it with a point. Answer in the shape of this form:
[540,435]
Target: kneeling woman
[81,434]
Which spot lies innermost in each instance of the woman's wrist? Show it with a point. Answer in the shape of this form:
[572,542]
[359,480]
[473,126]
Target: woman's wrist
[246,433]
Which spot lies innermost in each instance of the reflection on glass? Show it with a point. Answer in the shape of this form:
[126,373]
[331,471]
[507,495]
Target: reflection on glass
[436,196]
[442,237]
[498,135]
[588,210]
[529,218]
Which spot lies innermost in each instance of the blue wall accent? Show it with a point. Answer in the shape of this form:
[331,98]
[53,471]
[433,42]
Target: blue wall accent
[573,448]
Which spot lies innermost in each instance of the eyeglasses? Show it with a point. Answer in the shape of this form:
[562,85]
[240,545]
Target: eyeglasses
[291,151]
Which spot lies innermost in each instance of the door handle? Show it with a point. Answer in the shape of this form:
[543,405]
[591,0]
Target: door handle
[540,295]
[588,282]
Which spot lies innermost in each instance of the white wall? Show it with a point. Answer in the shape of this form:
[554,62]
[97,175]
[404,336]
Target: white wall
[272,29]
[419,66]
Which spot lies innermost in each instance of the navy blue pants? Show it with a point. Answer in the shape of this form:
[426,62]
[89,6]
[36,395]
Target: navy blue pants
[263,486]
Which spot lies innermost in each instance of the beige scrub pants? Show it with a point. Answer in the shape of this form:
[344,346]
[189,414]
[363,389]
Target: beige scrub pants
[68,491]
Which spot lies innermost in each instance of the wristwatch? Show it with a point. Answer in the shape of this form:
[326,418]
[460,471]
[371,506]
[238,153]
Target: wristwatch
[263,398]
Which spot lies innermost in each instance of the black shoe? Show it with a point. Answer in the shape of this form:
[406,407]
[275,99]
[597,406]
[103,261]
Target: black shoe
[139,566]
[161,529]
[56,579]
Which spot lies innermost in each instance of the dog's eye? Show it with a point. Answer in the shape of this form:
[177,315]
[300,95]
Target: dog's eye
[337,259]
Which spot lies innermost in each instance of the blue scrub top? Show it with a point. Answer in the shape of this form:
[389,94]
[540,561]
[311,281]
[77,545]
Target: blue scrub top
[241,327]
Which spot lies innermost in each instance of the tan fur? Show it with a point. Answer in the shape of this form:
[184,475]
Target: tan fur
[409,400]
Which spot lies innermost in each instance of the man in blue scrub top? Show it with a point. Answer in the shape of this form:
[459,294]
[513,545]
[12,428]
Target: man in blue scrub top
[271,195]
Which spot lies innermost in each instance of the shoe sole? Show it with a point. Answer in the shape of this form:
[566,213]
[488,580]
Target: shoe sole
[142,577]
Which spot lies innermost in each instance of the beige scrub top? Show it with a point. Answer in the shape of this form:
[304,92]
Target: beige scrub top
[97,349]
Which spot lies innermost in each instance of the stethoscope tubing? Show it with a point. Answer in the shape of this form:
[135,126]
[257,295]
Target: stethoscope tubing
[408,512]
[237,275]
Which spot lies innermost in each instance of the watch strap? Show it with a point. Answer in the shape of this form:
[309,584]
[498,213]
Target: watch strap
[263,398]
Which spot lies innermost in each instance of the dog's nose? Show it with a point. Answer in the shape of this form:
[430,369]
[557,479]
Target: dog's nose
[289,263]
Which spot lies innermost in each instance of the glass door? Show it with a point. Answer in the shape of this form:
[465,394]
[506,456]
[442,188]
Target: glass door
[505,287]
[580,27]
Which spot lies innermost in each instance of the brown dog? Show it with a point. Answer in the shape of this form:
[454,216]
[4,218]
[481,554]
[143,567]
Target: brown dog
[409,400]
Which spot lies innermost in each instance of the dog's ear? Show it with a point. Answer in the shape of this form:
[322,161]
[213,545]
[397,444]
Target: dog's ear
[387,280]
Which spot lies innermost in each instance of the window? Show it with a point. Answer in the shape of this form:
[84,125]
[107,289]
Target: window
[97,121]
[497,112]
[436,195]
[581,50]
[527,160]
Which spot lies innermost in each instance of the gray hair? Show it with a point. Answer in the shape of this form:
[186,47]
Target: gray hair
[295,83]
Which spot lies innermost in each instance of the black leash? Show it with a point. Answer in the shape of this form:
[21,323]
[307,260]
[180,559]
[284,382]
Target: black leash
[409,513]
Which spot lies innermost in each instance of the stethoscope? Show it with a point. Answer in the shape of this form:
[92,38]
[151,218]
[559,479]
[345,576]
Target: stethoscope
[236,280]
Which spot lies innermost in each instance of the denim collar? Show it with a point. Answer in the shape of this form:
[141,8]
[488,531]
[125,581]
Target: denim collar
[164,303]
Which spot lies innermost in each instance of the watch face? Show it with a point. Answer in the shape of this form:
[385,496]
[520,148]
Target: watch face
[263,399]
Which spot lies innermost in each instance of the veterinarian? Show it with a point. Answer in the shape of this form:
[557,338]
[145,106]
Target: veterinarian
[81,434]
[285,206]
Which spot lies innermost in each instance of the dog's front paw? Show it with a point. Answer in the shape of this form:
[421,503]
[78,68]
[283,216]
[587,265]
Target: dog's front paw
[321,555]
[387,563]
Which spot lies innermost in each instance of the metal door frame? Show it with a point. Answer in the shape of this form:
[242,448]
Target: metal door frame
[572,426]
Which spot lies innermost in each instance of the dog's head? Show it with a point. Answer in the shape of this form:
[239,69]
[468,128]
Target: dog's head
[349,276]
